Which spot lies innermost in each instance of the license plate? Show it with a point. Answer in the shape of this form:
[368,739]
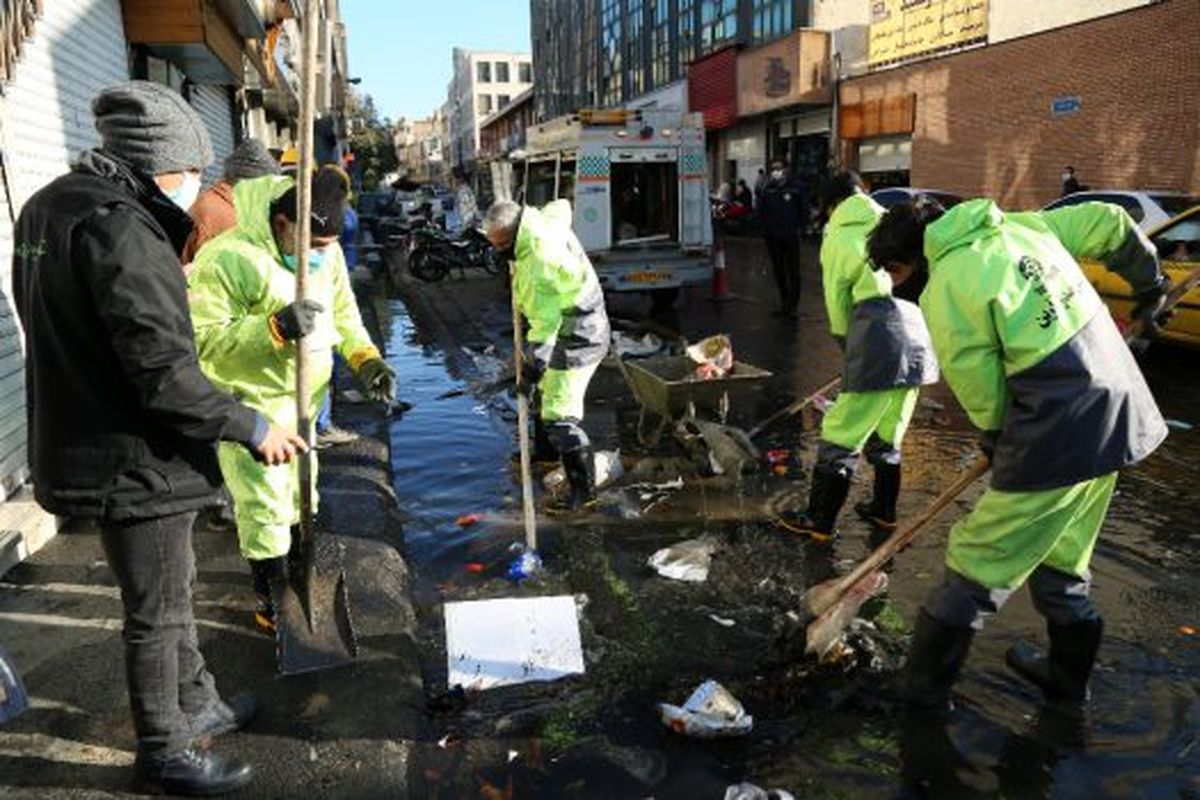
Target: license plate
[649,277]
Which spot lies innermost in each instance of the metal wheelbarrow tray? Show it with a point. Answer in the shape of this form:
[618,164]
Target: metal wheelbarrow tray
[664,385]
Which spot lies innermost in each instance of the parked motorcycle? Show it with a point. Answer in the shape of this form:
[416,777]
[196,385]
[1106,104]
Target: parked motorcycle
[432,253]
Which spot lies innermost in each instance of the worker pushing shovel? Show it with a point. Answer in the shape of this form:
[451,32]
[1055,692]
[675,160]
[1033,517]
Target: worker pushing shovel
[1028,349]
[556,290]
[269,301]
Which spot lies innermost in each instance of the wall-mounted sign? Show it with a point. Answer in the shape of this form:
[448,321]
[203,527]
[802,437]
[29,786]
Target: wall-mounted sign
[1065,105]
[783,73]
[902,29]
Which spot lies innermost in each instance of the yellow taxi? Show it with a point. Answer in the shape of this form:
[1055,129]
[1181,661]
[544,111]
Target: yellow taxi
[1178,244]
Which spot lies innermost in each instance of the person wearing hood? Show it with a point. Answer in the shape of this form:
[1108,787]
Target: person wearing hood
[212,214]
[248,328]
[888,357]
[782,211]
[122,420]
[1029,350]
[559,294]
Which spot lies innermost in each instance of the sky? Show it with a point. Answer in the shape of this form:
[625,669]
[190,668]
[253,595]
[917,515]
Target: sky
[402,48]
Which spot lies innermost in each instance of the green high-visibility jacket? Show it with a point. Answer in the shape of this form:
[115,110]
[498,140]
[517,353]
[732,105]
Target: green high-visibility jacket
[1026,345]
[886,342]
[557,290]
[238,282]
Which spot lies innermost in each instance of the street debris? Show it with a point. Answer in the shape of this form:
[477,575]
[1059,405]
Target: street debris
[526,565]
[713,357]
[688,560]
[509,641]
[475,567]
[606,467]
[931,404]
[748,791]
[1187,630]
[467,520]
[625,344]
[717,449]
[711,712]
[1179,425]
[724,622]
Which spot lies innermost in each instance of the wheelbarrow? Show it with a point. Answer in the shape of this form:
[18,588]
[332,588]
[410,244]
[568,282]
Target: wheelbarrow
[666,386]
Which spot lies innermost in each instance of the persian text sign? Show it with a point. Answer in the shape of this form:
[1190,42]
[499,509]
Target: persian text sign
[904,28]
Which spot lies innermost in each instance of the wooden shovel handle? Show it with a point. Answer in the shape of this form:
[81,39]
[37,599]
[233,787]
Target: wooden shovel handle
[1174,295]
[528,514]
[898,540]
[795,407]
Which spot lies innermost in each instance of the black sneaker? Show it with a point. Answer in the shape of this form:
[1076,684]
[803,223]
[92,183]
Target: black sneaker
[193,773]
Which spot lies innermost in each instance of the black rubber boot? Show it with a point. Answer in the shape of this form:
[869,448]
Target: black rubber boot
[264,572]
[194,773]
[825,501]
[581,480]
[935,658]
[225,716]
[1063,675]
[881,511]
[544,454]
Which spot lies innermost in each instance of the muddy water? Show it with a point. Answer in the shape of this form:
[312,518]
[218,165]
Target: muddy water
[827,734]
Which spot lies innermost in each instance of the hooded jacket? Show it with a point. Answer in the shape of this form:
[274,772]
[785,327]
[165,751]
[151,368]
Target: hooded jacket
[557,290]
[887,343]
[212,214]
[1027,346]
[122,421]
[239,282]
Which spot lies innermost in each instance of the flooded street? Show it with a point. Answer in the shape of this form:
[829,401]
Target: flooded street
[817,732]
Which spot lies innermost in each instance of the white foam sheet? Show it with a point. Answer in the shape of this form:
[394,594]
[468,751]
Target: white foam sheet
[492,643]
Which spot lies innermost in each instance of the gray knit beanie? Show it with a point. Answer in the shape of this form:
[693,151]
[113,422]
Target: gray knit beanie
[152,128]
[250,159]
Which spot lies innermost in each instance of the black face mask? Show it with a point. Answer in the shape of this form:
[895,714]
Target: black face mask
[911,289]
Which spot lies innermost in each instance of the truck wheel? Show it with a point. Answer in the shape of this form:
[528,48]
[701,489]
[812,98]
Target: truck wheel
[663,299]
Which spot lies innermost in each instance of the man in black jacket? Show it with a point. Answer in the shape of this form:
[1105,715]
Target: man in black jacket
[782,210]
[122,422]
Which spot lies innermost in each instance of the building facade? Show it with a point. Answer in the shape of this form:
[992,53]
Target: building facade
[484,82]
[420,149]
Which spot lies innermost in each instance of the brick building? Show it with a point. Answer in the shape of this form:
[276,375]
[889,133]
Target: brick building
[1114,96]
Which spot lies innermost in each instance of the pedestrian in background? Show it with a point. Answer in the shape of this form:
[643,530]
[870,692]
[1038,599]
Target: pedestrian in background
[212,214]
[1070,184]
[465,205]
[744,195]
[122,420]
[328,434]
[248,326]
[783,211]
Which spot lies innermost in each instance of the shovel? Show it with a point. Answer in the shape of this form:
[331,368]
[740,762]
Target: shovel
[527,509]
[794,408]
[312,610]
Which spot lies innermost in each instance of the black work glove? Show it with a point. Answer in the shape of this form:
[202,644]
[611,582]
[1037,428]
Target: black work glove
[532,370]
[297,319]
[987,443]
[378,381]
[1148,308]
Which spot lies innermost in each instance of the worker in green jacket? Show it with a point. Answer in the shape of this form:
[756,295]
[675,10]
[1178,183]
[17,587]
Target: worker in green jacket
[1039,366]
[248,328]
[558,293]
[888,358]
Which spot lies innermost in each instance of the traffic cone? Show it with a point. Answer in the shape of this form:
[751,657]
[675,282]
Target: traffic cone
[720,282]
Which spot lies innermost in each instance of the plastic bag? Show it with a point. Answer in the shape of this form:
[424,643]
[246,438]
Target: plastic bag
[606,466]
[710,712]
[688,560]
[748,791]
[713,357]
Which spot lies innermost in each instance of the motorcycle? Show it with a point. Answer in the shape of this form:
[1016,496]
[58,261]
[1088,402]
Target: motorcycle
[432,253]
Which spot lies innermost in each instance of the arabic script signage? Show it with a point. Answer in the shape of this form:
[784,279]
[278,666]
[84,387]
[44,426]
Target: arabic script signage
[905,28]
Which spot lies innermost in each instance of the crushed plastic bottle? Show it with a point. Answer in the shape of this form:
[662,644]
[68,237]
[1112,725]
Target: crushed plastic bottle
[525,566]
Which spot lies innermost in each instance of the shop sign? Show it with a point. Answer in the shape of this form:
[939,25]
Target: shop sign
[902,29]
[784,73]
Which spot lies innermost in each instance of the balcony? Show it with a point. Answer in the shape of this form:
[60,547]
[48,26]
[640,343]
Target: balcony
[197,36]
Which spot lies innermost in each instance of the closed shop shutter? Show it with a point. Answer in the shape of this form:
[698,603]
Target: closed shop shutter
[215,106]
[713,88]
[77,48]
[885,154]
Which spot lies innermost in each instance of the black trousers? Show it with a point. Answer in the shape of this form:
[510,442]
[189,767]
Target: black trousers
[785,262]
[168,681]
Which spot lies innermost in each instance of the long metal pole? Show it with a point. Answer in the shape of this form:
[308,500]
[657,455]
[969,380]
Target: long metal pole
[527,509]
[308,94]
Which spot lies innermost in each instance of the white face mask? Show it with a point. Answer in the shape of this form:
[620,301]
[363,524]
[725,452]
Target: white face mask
[777,174]
[1066,176]
[186,192]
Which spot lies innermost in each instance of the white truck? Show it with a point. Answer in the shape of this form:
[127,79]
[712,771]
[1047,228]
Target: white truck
[638,184]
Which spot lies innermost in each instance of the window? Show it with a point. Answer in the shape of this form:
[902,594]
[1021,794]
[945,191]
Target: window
[611,87]
[660,43]
[483,72]
[502,101]
[635,81]
[772,18]
[687,33]
[484,104]
[501,72]
[525,72]
[718,23]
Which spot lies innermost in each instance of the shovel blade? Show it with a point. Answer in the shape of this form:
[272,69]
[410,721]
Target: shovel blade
[826,630]
[313,630]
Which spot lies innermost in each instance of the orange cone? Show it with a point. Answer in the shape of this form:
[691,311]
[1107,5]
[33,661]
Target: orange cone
[720,282]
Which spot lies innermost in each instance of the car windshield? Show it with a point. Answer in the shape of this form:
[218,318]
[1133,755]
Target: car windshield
[1174,204]
[1181,241]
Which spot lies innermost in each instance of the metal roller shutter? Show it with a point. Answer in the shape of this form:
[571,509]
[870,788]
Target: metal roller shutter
[215,106]
[77,48]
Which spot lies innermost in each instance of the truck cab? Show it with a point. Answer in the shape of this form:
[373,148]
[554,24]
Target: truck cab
[637,182]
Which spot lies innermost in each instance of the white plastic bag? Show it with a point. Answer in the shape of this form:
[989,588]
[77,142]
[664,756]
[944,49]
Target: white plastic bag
[711,712]
[688,560]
